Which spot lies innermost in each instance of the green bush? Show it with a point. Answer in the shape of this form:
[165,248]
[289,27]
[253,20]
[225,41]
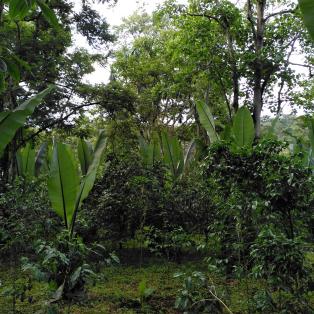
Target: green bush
[254,188]
[25,215]
[280,262]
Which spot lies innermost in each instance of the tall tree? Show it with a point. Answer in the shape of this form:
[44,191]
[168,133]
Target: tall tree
[37,54]
[228,54]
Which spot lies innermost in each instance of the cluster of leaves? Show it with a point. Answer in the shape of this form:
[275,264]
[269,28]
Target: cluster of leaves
[198,295]
[281,263]
[25,216]
[62,264]
[255,188]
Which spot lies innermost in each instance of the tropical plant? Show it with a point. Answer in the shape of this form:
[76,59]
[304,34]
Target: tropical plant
[145,292]
[207,120]
[254,186]
[11,121]
[168,149]
[150,152]
[281,263]
[199,295]
[240,134]
[243,128]
[65,188]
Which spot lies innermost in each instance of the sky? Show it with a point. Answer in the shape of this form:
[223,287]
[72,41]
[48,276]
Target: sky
[114,15]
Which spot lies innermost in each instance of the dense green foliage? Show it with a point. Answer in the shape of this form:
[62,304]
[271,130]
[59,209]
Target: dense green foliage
[164,190]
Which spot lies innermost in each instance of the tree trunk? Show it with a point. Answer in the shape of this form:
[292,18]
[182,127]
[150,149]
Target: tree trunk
[258,66]
[234,69]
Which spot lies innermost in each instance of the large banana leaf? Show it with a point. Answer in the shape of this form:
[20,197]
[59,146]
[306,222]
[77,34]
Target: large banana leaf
[150,152]
[25,158]
[41,159]
[19,8]
[85,154]
[310,151]
[89,179]
[63,182]
[307,9]
[11,121]
[49,14]
[154,149]
[178,153]
[207,120]
[144,150]
[189,154]
[243,128]
[172,153]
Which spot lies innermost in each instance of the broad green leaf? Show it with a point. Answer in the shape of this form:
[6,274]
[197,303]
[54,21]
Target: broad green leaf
[2,84]
[144,150]
[309,153]
[63,182]
[207,120]
[3,66]
[243,128]
[88,180]
[11,121]
[178,154]
[311,132]
[172,153]
[189,155]
[307,9]
[41,158]
[48,14]
[168,154]
[85,154]
[13,70]
[26,161]
[150,152]
[154,149]
[19,8]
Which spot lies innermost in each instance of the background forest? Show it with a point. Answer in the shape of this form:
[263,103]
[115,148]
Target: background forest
[184,184]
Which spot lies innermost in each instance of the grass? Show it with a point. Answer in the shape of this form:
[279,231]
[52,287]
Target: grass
[116,291]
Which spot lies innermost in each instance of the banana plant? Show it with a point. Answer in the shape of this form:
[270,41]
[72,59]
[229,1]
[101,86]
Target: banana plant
[67,189]
[207,121]
[85,154]
[240,133]
[41,159]
[30,163]
[11,121]
[172,154]
[243,128]
[170,151]
[25,159]
[308,152]
[150,151]
[175,156]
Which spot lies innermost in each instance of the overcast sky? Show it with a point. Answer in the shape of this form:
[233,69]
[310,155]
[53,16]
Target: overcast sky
[114,15]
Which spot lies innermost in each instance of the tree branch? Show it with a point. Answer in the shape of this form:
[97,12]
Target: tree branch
[301,65]
[250,17]
[42,129]
[210,17]
[279,13]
